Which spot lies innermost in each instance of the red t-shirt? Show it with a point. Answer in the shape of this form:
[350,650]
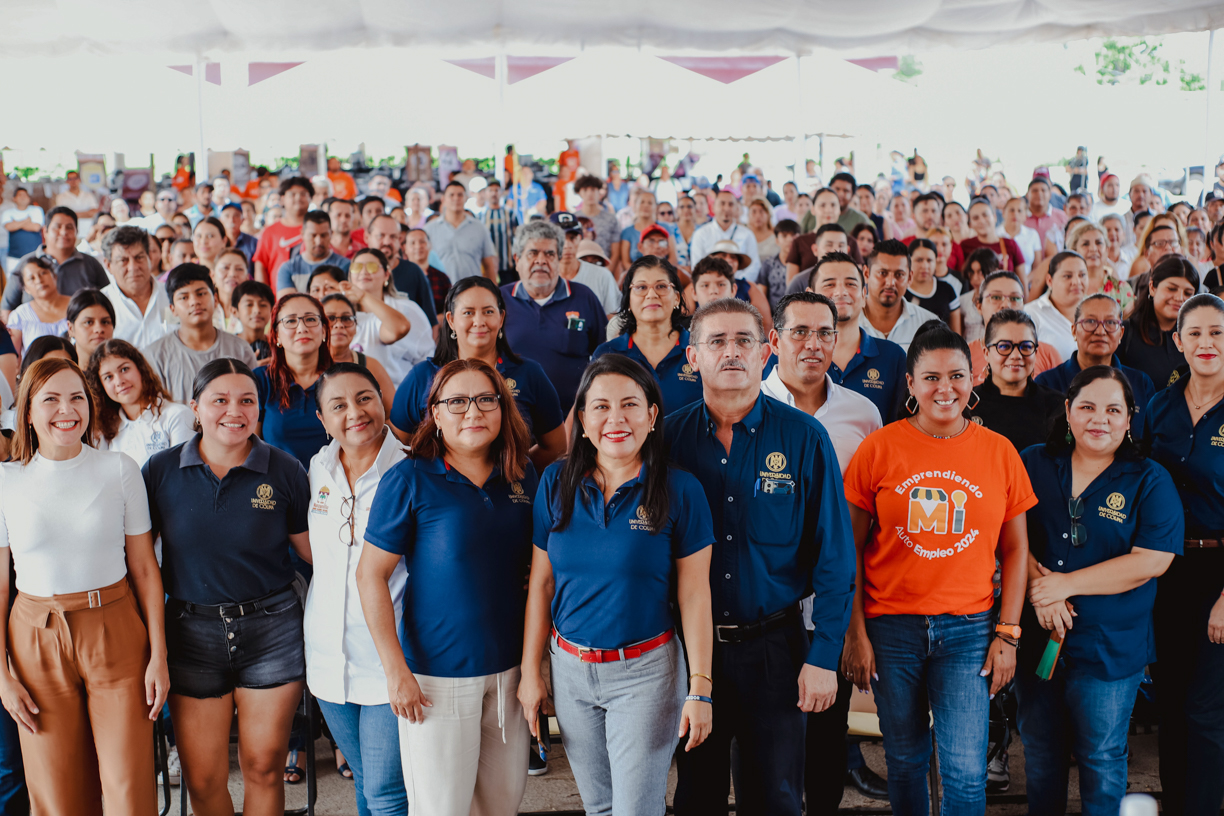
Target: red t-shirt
[956,258]
[356,242]
[939,505]
[275,244]
[1011,257]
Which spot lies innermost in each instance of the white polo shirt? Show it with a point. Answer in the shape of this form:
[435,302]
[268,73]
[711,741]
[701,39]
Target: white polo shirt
[1053,327]
[709,234]
[141,329]
[342,665]
[912,318]
[846,415]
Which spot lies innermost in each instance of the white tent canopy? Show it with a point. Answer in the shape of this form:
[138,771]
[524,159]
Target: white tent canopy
[870,27]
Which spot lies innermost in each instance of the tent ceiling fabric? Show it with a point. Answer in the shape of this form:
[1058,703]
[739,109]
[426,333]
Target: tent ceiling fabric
[866,28]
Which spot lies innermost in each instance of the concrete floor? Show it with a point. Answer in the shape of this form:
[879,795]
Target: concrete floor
[555,791]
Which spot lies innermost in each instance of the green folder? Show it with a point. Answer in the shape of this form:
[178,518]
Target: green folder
[1049,658]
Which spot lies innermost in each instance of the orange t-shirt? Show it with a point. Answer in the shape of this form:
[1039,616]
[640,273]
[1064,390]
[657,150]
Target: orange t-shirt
[343,185]
[939,505]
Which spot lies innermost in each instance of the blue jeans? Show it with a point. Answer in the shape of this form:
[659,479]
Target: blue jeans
[368,736]
[932,665]
[14,799]
[756,704]
[1074,711]
[619,723]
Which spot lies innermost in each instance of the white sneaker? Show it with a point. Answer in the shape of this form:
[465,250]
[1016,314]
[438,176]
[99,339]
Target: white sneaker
[174,767]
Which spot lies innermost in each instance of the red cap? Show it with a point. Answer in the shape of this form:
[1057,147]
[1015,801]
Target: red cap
[653,228]
[1107,177]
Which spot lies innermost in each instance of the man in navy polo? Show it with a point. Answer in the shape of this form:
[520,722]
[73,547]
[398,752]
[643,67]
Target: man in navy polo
[557,323]
[782,532]
[1098,332]
[872,366]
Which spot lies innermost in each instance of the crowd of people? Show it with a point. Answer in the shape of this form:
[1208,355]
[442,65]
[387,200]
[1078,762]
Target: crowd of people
[683,466]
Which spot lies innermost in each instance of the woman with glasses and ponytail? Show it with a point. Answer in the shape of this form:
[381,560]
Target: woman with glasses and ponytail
[1108,522]
[1009,402]
[342,666]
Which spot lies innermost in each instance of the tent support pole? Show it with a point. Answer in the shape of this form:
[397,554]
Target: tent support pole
[800,174]
[499,72]
[1209,161]
[201,168]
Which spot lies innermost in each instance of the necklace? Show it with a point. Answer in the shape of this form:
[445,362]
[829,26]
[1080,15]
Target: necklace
[965,427]
[1210,400]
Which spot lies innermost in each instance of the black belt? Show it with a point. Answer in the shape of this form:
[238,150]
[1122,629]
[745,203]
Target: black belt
[749,631]
[238,610]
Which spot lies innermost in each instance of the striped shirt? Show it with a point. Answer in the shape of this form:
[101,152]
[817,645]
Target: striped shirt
[501,224]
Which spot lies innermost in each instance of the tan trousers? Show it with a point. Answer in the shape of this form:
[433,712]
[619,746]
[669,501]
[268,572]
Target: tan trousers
[82,658]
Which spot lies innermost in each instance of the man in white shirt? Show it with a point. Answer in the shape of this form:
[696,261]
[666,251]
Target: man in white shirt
[724,228]
[888,314]
[141,305]
[803,339]
[166,206]
[462,244]
[82,202]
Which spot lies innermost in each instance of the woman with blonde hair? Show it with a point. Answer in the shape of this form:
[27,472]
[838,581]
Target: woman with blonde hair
[1091,241]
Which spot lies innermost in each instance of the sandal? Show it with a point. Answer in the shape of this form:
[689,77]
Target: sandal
[342,766]
[345,771]
[292,769]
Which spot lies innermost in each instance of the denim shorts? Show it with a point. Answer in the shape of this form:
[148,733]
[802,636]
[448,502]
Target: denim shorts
[210,655]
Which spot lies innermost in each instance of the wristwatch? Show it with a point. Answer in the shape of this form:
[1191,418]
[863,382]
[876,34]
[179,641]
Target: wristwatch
[1009,629]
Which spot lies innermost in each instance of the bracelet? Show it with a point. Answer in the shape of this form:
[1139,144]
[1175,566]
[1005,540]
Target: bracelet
[699,698]
[1008,639]
[699,674]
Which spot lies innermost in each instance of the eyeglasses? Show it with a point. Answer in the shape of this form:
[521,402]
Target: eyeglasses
[1026,347]
[1079,533]
[459,405]
[291,322]
[997,299]
[1091,324]
[659,289]
[343,320]
[1169,244]
[347,506]
[666,212]
[825,336]
[720,343]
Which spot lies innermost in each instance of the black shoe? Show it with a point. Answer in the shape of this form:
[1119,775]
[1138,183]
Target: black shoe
[998,774]
[535,765]
[868,782]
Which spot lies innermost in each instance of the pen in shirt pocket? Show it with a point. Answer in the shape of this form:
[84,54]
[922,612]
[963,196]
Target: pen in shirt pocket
[756,488]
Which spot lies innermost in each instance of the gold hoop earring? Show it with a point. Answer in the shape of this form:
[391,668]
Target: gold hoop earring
[913,409]
[976,400]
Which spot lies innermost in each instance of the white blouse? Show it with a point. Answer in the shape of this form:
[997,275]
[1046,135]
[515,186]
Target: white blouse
[342,665]
[149,433]
[65,521]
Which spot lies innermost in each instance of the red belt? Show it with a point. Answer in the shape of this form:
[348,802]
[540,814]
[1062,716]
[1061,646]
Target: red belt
[612,655]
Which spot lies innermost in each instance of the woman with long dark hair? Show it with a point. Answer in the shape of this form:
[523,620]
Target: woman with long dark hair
[91,322]
[230,509]
[288,410]
[1107,523]
[616,527]
[456,515]
[474,328]
[1148,343]
[653,316]
[1182,425]
[133,414]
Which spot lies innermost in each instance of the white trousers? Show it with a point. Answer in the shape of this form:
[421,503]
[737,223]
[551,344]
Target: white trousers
[469,756]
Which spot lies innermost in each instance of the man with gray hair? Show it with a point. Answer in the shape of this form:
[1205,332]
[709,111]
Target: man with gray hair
[782,532]
[557,323]
[142,309]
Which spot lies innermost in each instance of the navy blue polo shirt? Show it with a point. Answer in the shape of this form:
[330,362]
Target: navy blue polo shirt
[468,553]
[877,371]
[1159,361]
[613,574]
[677,380]
[781,528]
[1059,378]
[226,540]
[534,395]
[560,335]
[1193,455]
[1133,503]
[296,429]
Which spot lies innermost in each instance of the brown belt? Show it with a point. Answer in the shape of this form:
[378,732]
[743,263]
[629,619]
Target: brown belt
[1202,543]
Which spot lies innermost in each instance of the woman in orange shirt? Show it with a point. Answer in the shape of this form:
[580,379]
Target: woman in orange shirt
[932,499]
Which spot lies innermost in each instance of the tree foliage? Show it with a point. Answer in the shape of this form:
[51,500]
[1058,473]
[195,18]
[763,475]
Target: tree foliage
[1135,61]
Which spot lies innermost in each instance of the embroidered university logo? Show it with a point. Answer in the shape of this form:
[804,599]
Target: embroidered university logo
[263,498]
[511,384]
[518,495]
[776,462]
[1112,510]
[642,521]
[686,374]
[1116,501]
[872,374]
